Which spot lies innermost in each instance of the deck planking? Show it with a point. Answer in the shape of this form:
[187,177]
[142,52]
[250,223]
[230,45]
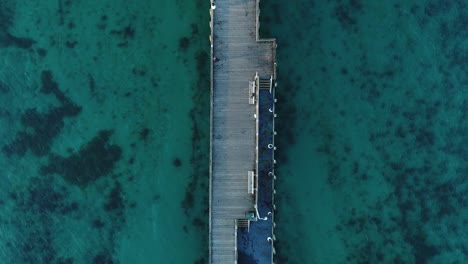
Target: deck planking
[240,54]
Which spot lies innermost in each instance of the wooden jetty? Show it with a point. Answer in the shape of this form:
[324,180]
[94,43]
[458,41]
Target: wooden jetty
[239,58]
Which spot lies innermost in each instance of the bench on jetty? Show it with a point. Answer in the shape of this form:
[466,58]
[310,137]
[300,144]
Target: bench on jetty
[243,74]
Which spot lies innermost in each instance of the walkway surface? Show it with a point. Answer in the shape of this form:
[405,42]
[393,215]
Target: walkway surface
[236,57]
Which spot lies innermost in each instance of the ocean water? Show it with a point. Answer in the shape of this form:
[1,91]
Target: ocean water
[372,130]
[104,111]
[104,131]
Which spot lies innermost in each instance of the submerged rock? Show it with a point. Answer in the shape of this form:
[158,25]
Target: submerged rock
[42,128]
[94,160]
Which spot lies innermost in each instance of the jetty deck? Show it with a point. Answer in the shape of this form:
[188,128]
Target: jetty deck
[238,56]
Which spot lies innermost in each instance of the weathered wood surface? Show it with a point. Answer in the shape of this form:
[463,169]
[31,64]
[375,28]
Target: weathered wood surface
[238,57]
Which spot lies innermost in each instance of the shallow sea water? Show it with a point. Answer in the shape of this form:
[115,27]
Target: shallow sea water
[372,130]
[104,131]
[104,111]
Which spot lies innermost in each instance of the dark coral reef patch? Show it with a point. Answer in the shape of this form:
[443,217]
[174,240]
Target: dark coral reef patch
[177,162]
[95,159]
[34,206]
[115,201]
[103,258]
[40,129]
[7,39]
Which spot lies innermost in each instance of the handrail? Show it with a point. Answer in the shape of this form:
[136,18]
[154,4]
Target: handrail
[257,128]
[235,242]
[273,170]
[211,130]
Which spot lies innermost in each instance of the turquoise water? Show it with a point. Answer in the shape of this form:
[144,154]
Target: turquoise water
[104,127]
[372,130]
